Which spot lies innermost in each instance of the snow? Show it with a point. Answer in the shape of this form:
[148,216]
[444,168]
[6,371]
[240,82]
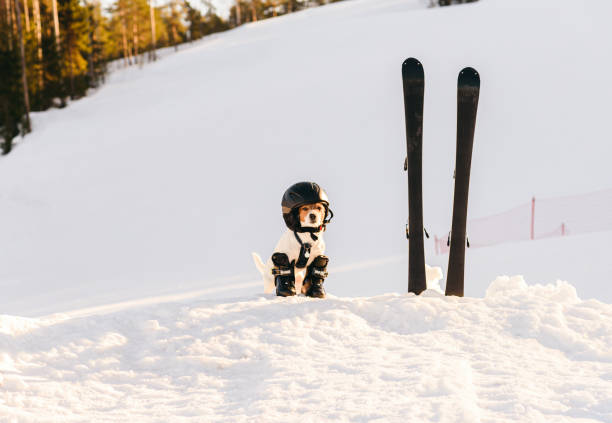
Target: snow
[521,353]
[167,178]
[128,220]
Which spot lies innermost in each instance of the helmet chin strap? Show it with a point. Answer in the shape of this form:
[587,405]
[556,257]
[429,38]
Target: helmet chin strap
[312,231]
[326,221]
[305,246]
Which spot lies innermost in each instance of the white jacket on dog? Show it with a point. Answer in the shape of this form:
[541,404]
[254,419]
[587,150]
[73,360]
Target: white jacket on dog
[289,245]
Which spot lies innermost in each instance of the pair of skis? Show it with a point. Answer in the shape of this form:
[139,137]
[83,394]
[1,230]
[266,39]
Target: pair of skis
[468,89]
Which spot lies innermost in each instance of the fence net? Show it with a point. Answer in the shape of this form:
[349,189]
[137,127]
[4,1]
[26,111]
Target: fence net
[540,219]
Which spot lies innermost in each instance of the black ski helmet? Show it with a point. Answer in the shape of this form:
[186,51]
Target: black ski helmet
[296,196]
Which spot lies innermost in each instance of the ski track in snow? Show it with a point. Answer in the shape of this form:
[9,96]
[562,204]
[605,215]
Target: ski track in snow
[535,353]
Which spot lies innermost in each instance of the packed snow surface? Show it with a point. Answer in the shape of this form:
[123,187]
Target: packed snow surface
[532,354]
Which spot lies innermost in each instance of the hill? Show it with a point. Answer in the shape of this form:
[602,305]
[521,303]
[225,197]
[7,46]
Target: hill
[521,353]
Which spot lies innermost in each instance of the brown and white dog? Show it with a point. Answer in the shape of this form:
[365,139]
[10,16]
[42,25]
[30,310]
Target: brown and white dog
[311,216]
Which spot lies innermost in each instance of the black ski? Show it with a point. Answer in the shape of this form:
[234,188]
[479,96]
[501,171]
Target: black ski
[414,87]
[468,89]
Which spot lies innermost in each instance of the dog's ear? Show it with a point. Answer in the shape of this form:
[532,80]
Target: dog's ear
[295,216]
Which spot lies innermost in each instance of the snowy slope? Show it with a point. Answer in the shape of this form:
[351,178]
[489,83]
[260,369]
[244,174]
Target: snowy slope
[533,354]
[168,177]
[132,214]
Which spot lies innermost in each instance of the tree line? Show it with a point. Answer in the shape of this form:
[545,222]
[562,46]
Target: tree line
[55,50]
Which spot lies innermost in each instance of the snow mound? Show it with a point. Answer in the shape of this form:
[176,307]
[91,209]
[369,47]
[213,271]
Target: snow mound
[522,353]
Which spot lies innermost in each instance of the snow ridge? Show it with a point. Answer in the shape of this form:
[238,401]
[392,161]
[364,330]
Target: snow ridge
[522,353]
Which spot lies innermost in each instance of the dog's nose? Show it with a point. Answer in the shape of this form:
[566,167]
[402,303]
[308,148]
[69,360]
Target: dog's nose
[313,217]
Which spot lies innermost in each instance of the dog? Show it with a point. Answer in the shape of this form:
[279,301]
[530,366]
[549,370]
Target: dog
[298,260]
[312,216]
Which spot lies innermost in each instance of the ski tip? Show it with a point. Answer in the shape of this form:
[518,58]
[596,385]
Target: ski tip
[412,69]
[469,76]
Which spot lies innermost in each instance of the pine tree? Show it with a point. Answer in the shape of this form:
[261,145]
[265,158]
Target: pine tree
[253,10]
[56,24]
[39,52]
[97,37]
[238,13]
[26,15]
[122,22]
[213,23]
[24,77]
[195,21]
[74,24]
[139,19]
[153,44]
[11,96]
[174,23]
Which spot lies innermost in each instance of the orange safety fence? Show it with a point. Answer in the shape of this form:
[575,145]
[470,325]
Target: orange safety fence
[540,219]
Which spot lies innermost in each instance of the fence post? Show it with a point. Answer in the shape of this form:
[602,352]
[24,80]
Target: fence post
[532,218]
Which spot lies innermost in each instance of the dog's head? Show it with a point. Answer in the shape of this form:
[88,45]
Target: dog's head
[312,215]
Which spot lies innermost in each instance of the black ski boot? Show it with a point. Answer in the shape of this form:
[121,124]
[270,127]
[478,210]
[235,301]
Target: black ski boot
[313,282]
[284,277]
